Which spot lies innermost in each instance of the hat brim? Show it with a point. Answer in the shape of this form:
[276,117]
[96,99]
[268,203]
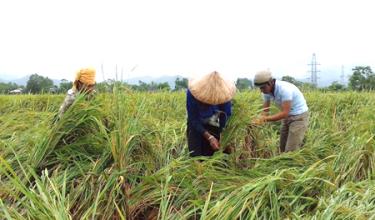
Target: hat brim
[212,89]
[258,85]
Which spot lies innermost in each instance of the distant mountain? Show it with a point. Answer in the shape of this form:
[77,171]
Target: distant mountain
[148,79]
[134,81]
[23,80]
[325,78]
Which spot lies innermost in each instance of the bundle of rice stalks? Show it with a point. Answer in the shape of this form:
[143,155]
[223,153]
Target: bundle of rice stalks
[246,140]
[80,130]
[351,201]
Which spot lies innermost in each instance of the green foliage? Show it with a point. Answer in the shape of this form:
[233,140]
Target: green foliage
[303,86]
[153,86]
[181,84]
[65,85]
[107,85]
[292,80]
[308,87]
[336,86]
[38,84]
[7,87]
[162,86]
[244,84]
[362,79]
[124,156]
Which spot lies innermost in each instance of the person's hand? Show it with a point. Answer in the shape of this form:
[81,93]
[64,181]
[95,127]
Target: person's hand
[259,121]
[214,143]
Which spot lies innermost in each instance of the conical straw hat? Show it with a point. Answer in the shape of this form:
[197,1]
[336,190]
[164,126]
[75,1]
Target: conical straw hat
[212,89]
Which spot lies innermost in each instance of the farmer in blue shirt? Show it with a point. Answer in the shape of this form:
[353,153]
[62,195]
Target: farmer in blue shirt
[208,104]
[294,111]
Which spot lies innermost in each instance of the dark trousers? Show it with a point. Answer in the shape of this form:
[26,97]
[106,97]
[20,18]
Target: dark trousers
[198,145]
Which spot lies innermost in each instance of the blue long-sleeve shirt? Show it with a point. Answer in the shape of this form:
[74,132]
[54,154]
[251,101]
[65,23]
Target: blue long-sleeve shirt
[198,111]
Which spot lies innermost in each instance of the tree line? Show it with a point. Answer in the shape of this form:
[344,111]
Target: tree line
[362,79]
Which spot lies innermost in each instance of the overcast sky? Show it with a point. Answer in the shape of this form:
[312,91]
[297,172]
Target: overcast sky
[191,37]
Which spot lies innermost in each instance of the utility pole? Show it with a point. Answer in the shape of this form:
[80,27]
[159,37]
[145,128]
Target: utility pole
[102,69]
[116,73]
[122,74]
[342,75]
[314,71]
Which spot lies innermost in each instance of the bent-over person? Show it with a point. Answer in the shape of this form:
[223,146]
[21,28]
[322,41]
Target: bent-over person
[84,83]
[294,111]
[208,104]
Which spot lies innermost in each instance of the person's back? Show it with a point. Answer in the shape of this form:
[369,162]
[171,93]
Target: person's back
[287,91]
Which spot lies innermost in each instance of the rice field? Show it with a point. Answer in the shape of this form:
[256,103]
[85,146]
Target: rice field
[124,156]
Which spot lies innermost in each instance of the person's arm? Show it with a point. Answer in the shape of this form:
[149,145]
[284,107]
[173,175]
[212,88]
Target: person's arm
[214,143]
[193,113]
[68,101]
[285,109]
[227,109]
[286,105]
[266,107]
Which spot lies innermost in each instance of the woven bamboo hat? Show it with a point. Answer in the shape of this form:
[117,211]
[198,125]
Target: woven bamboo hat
[212,89]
